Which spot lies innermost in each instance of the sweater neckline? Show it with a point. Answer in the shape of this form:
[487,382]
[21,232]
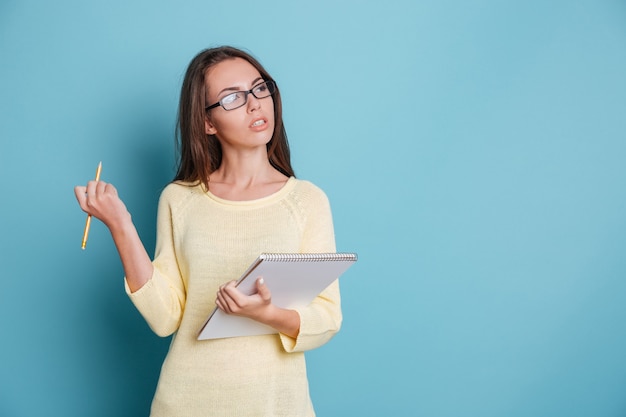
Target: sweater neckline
[285,189]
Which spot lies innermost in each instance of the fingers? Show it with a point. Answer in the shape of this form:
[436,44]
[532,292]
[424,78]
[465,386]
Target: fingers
[103,188]
[100,187]
[99,199]
[225,300]
[232,301]
[96,189]
[80,193]
[86,195]
[93,191]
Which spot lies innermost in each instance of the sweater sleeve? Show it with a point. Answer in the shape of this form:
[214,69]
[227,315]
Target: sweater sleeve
[320,320]
[161,300]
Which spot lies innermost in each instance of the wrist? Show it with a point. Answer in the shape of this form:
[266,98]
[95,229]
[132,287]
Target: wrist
[284,320]
[269,315]
[122,226]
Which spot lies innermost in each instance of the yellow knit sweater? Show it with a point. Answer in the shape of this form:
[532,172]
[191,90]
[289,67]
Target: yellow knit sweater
[204,241]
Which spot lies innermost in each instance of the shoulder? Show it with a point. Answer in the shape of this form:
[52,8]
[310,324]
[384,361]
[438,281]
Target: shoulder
[309,194]
[178,188]
[308,188]
[177,193]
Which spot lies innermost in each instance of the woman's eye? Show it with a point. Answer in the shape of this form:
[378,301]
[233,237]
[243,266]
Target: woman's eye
[230,98]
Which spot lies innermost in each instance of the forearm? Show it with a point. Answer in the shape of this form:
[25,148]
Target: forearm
[135,260]
[285,321]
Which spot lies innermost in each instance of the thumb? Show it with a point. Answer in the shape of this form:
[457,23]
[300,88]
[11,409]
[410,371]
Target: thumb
[262,289]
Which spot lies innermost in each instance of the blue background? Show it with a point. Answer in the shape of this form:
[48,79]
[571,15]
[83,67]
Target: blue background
[473,151]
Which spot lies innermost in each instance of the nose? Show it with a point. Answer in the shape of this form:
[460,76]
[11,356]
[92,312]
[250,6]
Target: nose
[253,102]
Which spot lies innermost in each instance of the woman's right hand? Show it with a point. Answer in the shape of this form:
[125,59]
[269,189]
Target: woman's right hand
[100,200]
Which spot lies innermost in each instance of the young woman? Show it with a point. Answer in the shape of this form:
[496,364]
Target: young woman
[234,196]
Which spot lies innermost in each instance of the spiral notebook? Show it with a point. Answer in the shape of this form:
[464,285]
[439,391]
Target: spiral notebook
[294,279]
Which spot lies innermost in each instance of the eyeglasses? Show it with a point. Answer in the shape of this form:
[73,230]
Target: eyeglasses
[240,98]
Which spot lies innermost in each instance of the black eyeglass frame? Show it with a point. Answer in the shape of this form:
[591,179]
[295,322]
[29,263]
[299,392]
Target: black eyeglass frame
[270,84]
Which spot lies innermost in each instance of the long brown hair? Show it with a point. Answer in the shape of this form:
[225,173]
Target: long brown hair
[201,154]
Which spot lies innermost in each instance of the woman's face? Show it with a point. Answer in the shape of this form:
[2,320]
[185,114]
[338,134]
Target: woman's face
[248,126]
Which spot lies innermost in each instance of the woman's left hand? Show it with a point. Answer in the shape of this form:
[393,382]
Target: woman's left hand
[256,306]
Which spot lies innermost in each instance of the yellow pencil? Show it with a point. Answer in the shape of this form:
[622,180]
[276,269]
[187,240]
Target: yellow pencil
[86,233]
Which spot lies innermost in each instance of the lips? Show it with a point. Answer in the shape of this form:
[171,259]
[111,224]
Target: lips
[259,124]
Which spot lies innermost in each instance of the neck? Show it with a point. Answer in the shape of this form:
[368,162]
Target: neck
[245,178]
[244,168]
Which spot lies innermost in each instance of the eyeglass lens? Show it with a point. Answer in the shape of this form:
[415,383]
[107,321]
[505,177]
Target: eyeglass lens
[239,98]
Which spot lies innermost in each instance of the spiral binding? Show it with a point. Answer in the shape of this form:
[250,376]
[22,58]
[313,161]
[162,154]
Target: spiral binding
[308,257]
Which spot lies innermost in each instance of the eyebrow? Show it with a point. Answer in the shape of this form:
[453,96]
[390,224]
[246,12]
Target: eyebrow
[254,82]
